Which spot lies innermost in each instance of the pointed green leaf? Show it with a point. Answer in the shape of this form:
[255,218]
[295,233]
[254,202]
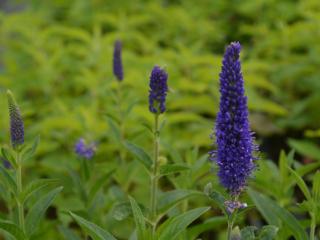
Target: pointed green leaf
[8,155]
[139,220]
[316,187]
[172,227]
[8,179]
[68,234]
[302,185]
[171,198]
[306,148]
[219,199]
[99,183]
[115,130]
[12,229]
[141,155]
[38,210]
[29,151]
[96,232]
[276,215]
[208,224]
[34,187]
[172,168]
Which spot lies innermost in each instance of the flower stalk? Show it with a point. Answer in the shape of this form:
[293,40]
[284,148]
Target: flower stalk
[154,174]
[19,188]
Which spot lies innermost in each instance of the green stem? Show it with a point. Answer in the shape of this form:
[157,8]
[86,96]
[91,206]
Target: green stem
[154,177]
[230,226]
[19,186]
[312,227]
[121,117]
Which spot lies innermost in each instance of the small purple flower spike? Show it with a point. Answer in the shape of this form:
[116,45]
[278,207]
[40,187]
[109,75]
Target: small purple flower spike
[84,150]
[16,122]
[234,139]
[117,61]
[158,90]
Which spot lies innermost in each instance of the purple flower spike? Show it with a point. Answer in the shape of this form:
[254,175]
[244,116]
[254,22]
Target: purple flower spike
[158,90]
[234,139]
[117,62]
[85,150]
[16,122]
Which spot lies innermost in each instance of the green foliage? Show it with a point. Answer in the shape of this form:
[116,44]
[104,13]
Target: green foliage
[56,57]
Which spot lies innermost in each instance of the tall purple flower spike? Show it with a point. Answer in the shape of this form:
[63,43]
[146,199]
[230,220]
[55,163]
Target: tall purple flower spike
[158,90]
[234,139]
[84,150]
[16,122]
[117,61]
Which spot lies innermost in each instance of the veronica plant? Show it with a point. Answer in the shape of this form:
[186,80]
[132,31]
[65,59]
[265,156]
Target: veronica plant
[235,148]
[22,222]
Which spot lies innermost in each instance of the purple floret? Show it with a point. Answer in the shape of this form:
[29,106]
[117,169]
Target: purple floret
[158,90]
[234,139]
[117,62]
[84,150]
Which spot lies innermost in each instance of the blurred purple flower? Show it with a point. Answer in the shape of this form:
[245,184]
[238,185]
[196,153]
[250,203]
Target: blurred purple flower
[158,90]
[117,61]
[234,140]
[84,150]
[6,163]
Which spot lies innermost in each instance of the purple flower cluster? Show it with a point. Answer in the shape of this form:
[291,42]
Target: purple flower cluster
[117,62]
[84,150]
[158,90]
[234,154]
[16,122]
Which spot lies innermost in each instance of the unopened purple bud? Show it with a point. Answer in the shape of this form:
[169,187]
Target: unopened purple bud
[117,61]
[85,150]
[16,122]
[158,90]
[234,140]
[231,206]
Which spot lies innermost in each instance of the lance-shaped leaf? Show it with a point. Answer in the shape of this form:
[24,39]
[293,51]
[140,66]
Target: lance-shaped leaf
[38,210]
[96,232]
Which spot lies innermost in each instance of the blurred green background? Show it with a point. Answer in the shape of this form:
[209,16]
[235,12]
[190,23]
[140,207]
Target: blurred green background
[56,57]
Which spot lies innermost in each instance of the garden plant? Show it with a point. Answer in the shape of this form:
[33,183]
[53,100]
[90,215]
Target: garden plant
[159,120]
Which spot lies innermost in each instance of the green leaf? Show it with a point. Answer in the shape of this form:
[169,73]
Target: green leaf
[141,155]
[8,155]
[68,234]
[171,198]
[268,232]
[34,187]
[276,215]
[172,227]
[139,220]
[96,232]
[116,133]
[302,185]
[99,183]
[306,148]
[38,210]
[316,187]
[29,151]
[219,199]
[247,233]
[12,229]
[209,224]
[172,168]
[8,179]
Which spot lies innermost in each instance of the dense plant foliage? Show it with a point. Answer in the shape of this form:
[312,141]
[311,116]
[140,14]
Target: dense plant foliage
[80,71]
